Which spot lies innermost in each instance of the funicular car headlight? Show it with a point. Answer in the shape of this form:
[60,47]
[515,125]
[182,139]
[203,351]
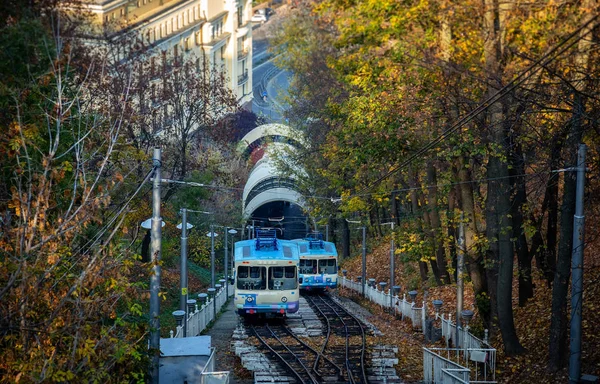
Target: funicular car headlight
[284,299]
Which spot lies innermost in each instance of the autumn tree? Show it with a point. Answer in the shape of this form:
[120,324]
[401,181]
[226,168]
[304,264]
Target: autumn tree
[68,310]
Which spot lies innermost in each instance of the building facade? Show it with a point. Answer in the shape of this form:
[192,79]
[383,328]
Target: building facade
[219,31]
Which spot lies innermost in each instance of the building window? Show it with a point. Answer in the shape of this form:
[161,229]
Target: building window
[198,39]
[186,44]
[138,3]
[240,16]
[223,53]
[122,11]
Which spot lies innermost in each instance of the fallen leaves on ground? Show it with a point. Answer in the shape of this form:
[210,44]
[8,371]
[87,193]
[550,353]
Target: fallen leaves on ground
[532,321]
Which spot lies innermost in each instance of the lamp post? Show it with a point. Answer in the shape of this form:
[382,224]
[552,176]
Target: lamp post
[233,232]
[183,278]
[212,236]
[364,255]
[155,249]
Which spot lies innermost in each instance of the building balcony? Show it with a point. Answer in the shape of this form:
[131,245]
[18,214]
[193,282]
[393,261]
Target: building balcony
[242,54]
[243,77]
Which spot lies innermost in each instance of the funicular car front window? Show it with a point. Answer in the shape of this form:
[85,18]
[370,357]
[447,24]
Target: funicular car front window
[308,266]
[251,278]
[327,266]
[282,278]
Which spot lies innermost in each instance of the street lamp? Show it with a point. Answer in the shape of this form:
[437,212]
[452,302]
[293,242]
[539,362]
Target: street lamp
[184,226]
[364,254]
[183,278]
[233,232]
[212,236]
[147,224]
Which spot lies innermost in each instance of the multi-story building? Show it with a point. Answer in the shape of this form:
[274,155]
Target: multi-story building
[217,30]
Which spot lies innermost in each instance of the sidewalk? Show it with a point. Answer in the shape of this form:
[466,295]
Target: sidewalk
[220,334]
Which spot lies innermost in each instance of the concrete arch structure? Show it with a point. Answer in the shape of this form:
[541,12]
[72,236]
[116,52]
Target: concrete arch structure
[265,185]
[270,133]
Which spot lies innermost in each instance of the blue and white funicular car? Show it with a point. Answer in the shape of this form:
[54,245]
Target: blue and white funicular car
[266,275]
[318,263]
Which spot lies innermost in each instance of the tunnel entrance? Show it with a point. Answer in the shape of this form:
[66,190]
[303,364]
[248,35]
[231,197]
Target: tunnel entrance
[286,217]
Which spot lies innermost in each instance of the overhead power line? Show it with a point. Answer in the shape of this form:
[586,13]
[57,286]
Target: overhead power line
[553,54]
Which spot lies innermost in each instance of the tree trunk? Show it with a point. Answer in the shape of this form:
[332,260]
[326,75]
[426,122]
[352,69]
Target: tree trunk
[546,258]
[434,218]
[473,257]
[429,233]
[415,208]
[500,252]
[518,232]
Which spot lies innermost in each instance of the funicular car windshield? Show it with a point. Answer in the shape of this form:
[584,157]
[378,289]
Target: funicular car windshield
[252,278]
[282,278]
[327,266]
[308,266]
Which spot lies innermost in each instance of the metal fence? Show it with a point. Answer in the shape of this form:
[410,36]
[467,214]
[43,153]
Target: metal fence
[472,360]
[208,376]
[199,318]
[400,306]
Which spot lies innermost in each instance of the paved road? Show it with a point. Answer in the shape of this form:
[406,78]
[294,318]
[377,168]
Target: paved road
[267,80]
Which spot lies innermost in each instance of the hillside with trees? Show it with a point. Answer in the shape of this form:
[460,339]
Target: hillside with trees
[433,115]
[80,115]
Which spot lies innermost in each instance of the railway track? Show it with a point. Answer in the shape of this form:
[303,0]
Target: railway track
[344,325]
[303,363]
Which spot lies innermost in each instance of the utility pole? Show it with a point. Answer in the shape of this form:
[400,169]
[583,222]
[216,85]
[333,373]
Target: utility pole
[226,266]
[155,248]
[364,258]
[460,261]
[183,279]
[212,256]
[577,271]
[392,268]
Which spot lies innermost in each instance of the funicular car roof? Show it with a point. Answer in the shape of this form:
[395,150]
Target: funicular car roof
[306,251]
[246,250]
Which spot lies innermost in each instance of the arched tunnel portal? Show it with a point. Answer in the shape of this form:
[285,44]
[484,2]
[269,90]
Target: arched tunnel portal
[271,199]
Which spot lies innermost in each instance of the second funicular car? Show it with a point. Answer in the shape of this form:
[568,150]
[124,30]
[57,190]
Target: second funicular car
[318,263]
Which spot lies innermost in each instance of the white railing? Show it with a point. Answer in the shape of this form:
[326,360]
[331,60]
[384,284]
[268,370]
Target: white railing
[199,319]
[471,361]
[437,369]
[400,305]
[209,376]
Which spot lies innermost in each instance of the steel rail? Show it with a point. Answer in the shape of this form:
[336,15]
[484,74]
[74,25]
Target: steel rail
[364,340]
[317,354]
[289,367]
[322,353]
